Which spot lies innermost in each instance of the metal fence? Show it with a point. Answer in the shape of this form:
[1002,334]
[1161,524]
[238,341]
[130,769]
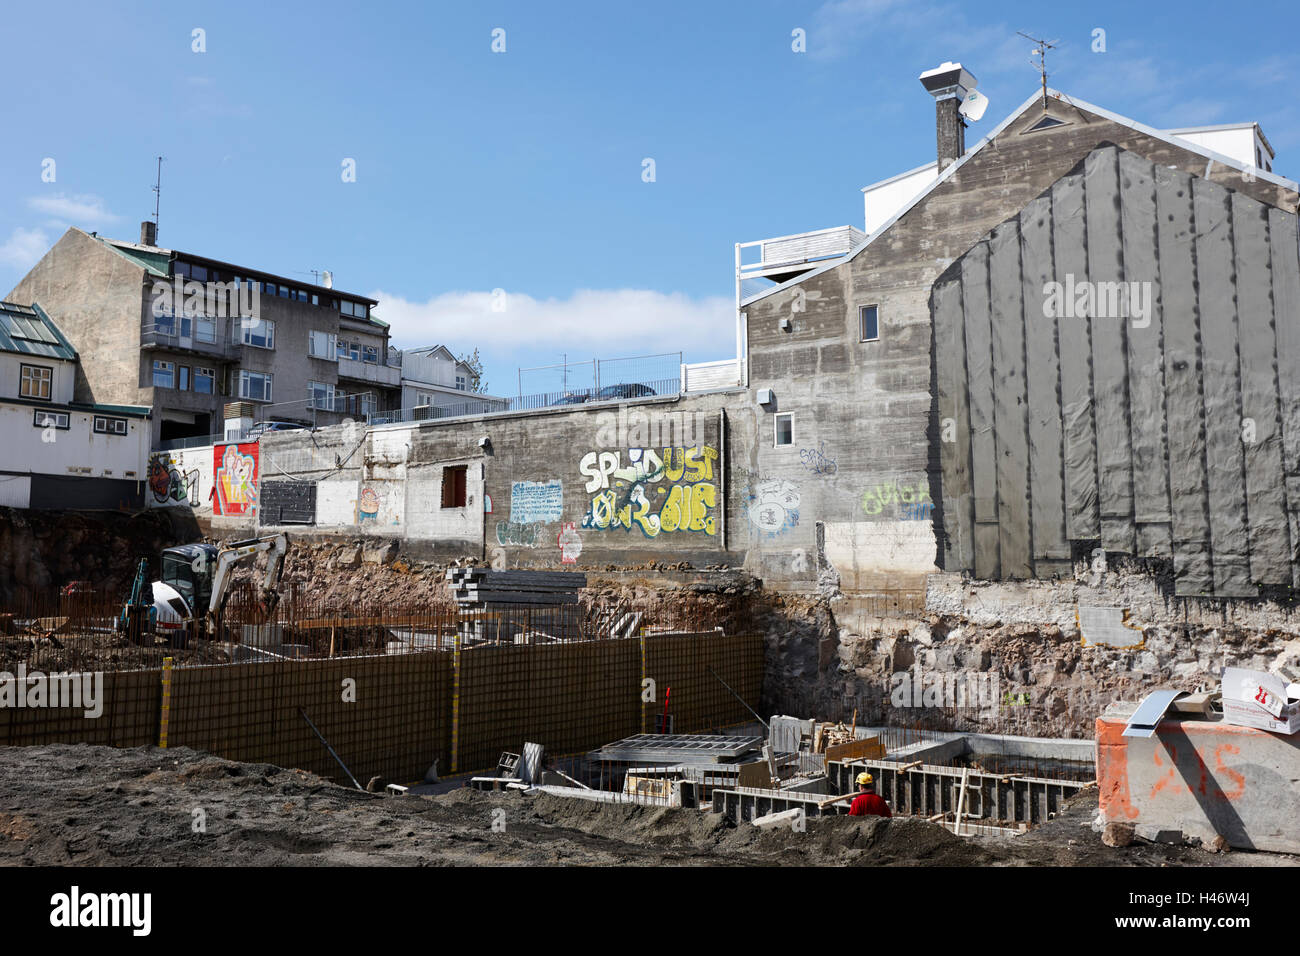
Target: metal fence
[603,379]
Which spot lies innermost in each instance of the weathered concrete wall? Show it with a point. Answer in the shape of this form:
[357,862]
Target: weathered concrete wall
[612,484]
[865,406]
[1109,375]
[95,298]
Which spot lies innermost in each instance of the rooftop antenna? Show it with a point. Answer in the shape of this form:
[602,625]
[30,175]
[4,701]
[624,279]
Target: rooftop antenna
[157,197]
[1041,52]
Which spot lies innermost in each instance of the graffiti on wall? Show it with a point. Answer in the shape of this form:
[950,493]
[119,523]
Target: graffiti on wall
[773,505]
[170,483]
[906,502]
[817,461]
[518,535]
[536,501]
[570,543]
[652,493]
[234,484]
[367,505]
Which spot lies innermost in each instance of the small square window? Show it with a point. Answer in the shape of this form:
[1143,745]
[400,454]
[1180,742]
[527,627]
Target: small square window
[869,323]
[453,486]
[57,420]
[784,429]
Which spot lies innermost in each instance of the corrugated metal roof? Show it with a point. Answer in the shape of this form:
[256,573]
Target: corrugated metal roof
[27,330]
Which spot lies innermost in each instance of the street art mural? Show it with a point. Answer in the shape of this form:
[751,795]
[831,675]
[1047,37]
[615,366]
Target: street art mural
[656,494]
[170,483]
[367,505]
[532,502]
[234,491]
[905,502]
[773,505]
[570,543]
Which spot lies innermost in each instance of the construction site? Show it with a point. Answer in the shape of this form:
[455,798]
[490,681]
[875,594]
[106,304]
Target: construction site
[982,550]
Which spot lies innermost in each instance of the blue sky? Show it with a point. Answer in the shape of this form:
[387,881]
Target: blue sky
[522,170]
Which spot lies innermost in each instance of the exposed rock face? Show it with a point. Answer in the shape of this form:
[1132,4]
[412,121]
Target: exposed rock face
[1001,657]
[41,551]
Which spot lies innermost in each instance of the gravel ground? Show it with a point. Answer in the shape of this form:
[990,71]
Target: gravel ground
[85,806]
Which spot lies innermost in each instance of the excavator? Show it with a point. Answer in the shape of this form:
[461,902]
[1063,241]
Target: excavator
[190,598]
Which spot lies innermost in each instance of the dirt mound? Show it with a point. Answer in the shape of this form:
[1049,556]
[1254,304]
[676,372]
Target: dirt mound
[84,806]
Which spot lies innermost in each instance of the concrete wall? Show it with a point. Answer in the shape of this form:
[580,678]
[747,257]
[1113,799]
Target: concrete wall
[866,406]
[1115,370]
[95,297]
[623,484]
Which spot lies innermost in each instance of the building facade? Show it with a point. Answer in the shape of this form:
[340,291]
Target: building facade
[58,452]
[185,334]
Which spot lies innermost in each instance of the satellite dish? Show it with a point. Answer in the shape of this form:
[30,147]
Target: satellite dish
[973,106]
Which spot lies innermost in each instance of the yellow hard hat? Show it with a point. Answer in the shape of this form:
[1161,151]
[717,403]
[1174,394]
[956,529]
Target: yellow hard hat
[864,778]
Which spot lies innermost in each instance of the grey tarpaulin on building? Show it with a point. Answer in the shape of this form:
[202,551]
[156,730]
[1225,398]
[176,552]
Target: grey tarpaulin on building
[1167,429]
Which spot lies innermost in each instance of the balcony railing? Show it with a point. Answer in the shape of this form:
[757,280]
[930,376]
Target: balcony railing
[387,376]
[168,336]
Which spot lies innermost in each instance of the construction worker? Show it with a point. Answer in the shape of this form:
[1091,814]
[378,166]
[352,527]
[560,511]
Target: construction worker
[867,803]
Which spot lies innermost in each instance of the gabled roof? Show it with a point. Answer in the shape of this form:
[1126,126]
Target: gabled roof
[27,330]
[952,168]
[430,350]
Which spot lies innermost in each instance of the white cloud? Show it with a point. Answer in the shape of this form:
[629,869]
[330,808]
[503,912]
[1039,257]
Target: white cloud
[82,209]
[24,248]
[597,322]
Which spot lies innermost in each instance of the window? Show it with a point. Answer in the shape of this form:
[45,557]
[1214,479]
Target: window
[183,378]
[453,486]
[204,380]
[784,429]
[51,420]
[460,382]
[355,309]
[322,345]
[370,354]
[164,374]
[869,323]
[109,426]
[322,395]
[259,333]
[36,381]
[254,385]
[205,329]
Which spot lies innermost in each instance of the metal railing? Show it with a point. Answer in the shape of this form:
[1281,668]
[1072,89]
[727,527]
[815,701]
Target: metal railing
[591,378]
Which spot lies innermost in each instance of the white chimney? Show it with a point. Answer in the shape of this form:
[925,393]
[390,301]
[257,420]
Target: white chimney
[327,279]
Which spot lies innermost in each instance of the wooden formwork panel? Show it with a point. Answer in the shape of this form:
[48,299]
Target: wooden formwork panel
[129,716]
[698,700]
[567,697]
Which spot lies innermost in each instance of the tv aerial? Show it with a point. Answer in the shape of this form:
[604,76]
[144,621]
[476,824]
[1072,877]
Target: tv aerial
[1040,51]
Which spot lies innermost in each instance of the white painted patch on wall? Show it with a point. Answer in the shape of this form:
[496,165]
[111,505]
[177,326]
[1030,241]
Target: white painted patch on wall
[858,549]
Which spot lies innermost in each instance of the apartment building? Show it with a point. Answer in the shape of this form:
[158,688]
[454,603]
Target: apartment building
[433,377]
[185,334]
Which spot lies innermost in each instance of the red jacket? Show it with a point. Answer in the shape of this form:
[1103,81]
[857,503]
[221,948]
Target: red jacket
[869,805]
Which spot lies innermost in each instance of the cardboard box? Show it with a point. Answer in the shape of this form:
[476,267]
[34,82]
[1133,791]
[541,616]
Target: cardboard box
[1260,700]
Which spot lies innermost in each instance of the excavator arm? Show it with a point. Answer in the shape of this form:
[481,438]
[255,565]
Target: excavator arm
[275,546]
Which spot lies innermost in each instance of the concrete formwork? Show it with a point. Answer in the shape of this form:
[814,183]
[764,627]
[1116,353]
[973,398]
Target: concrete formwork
[1205,778]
